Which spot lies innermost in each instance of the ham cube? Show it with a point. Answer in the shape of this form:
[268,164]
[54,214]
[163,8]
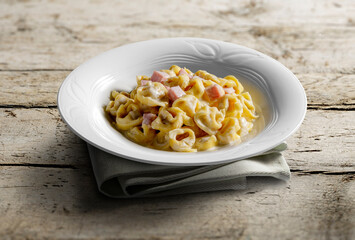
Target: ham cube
[214,91]
[148,118]
[229,90]
[159,76]
[175,93]
[183,72]
[144,82]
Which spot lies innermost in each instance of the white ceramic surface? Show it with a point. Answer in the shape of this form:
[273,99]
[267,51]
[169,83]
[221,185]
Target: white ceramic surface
[85,92]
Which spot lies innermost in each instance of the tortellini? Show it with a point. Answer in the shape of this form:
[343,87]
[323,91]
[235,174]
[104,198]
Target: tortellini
[182,140]
[181,81]
[178,110]
[229,132]
[128,115]
[209,119]
[238,87]
[248,106]
[230,106]
[161,141]
[196,87]
[152,94]
[114,105]
[189,104]
[206,142]
[168,120]
[141,135]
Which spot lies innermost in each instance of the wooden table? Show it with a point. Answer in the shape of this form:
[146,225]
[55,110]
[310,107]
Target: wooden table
[47,187]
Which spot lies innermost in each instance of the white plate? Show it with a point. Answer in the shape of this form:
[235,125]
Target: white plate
[85,92]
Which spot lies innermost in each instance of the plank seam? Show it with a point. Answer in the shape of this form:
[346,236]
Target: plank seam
[303,172]
[340,107]
[38,70]
[68,166]
[28,107]
[38,165]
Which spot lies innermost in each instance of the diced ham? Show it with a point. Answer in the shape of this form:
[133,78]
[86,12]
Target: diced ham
[183,71]
[175,93]
[144,82]
[159,76]
[214,91]
[148,118]
[229,90]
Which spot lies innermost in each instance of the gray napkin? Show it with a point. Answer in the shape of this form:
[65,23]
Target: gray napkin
[123,178]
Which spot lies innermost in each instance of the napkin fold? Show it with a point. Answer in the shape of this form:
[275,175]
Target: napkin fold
[122,178]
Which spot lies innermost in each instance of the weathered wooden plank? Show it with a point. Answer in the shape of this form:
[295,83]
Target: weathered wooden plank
[329,89]
[38,136]
[31,88]
[37,203]
[305,36]
[39,88]
[325,141]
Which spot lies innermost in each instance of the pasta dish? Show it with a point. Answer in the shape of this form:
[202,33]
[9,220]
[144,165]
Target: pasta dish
[182,111]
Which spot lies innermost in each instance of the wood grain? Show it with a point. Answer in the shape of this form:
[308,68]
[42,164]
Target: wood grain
[267,210]
[33,88]
[39,88]
[39,136]
[308,37]
[34,136]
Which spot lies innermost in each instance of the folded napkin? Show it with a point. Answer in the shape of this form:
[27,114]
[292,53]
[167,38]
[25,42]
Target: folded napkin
[123,178]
